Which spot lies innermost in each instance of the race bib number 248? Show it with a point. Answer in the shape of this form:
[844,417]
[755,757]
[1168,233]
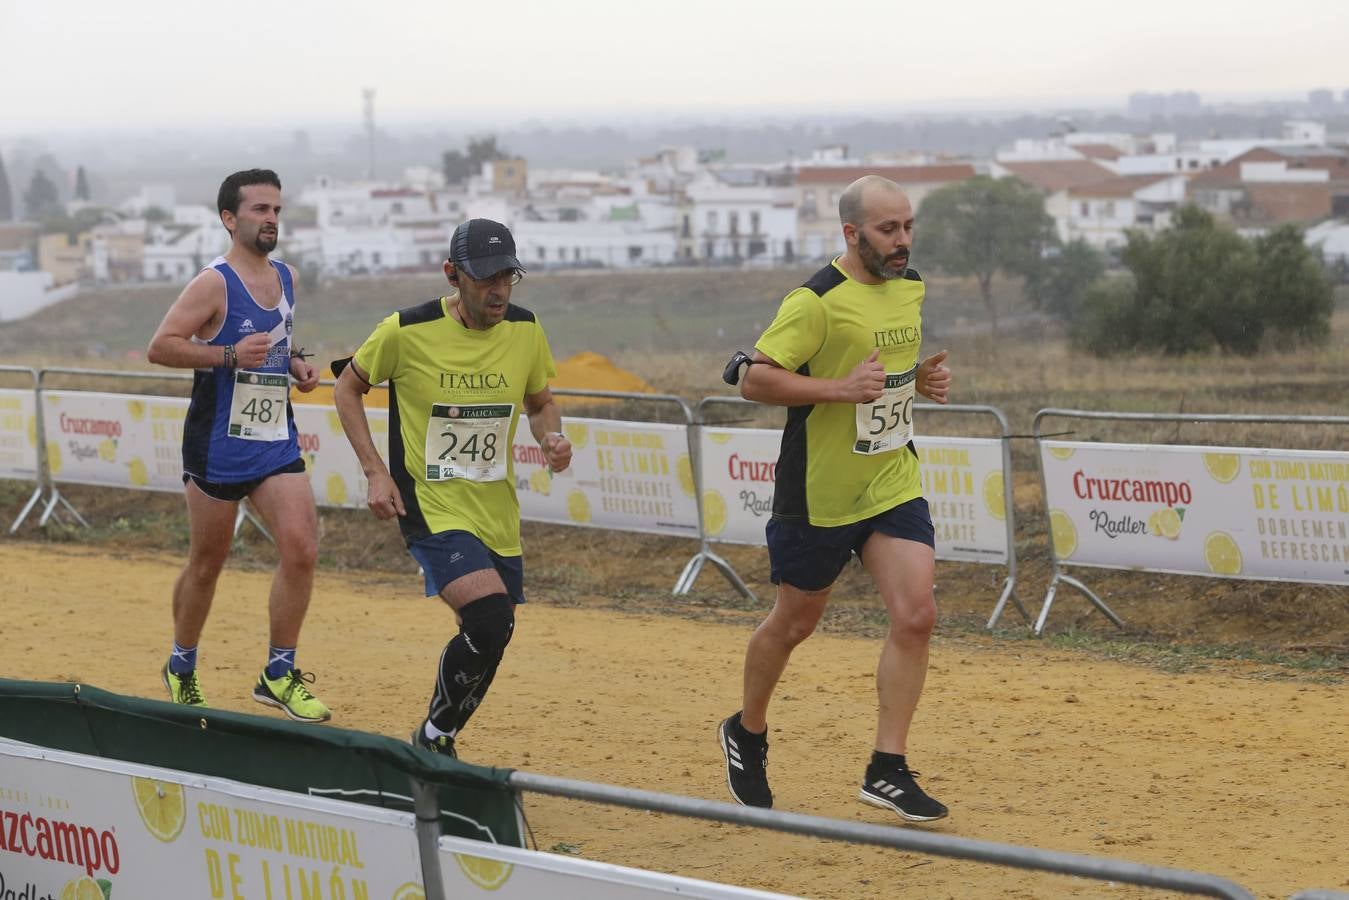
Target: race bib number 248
[470,441]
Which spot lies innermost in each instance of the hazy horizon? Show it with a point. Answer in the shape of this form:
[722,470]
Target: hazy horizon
[158,64]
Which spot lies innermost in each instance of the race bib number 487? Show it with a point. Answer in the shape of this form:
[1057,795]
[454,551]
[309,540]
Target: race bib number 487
[886,423]
[258,407]
[468,441]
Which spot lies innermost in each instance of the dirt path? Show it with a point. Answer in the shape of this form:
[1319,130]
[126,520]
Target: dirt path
[1225,773]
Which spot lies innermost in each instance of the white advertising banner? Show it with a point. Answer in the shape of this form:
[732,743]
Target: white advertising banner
[628,476]
[81,828]
[1280,515]
[330,462]
[964,485]
[18,437]
[962,481]
[471,869]
[114,440]
[135,441]
[739,467]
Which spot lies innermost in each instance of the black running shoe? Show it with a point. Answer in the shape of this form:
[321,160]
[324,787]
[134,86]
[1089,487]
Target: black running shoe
[444,745]
[746,758]
[894,788]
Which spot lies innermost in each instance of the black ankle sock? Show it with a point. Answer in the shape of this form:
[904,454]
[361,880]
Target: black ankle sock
[881,760]
[756,735]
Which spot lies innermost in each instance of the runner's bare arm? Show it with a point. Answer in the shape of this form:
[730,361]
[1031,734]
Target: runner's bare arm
[545,423]
[382,496]
[771,383]
[199,311]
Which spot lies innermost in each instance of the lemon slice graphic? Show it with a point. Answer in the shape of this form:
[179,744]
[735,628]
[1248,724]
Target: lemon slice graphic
[1222,466]
[1222,554]
[1064,533]
[488,874]
[82,888]
[578,507]
[162,806]
[685,469]
[714,512]
[994,501]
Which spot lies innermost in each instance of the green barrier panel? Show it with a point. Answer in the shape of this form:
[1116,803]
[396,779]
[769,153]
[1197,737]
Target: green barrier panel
[315,760]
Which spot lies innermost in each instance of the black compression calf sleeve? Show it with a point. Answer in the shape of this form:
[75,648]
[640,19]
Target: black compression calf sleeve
[469,662]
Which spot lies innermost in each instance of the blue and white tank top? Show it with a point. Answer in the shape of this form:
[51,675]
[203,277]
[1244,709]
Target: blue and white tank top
[240,425]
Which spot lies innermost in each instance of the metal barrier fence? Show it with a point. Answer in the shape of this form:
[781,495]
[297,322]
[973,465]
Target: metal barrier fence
[20,455]
[1097,868]
[132,441]
[1225,512]
[967,483]
[87,744]
[99,422]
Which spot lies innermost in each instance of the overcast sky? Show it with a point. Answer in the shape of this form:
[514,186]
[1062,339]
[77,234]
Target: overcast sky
[74,64]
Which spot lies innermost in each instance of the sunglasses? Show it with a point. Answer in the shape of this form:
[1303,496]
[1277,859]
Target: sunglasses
[506,276]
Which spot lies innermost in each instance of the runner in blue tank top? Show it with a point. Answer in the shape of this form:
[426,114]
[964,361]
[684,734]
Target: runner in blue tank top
[232,324]
[239,426]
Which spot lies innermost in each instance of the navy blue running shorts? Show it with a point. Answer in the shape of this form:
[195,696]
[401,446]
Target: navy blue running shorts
[234,491]
[448,555]
[810,557]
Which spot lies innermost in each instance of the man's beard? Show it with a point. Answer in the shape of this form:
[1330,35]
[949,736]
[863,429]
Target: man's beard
[265,243]
[875,264]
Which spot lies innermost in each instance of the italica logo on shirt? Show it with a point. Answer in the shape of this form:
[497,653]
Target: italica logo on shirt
[473,381]
[894,337]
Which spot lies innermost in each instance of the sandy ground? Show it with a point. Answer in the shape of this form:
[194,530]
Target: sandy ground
[1231,772]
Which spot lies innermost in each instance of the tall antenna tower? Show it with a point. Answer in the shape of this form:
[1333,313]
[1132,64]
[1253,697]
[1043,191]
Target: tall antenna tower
[368,95]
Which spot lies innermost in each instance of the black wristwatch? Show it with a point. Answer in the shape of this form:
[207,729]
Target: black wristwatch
[731,374]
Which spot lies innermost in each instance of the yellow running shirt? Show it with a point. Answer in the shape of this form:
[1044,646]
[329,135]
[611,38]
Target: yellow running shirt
[455,396]
[843,462]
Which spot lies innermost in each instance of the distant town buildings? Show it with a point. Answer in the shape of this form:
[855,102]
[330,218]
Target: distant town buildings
[678,206]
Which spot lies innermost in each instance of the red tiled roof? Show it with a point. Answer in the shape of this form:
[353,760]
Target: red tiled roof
[1119,186]
[1098,151]
[1059,174]
[901,174]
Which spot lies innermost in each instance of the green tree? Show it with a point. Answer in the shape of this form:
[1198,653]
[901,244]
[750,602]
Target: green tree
[81,185]
[983,226]
[41,199]
[72,226]
[1106,323]
[1197,285]
[459,166]
[1293,287]
[1059,285]
[6,198]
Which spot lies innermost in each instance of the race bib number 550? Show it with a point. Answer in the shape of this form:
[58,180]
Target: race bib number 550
[468,441]
[886,423]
